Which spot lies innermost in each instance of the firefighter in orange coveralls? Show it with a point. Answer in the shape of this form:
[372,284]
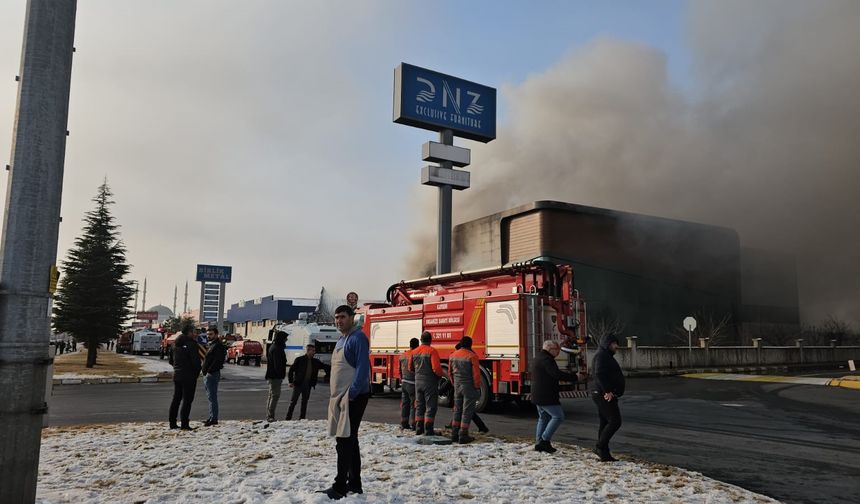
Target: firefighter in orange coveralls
[465,374]
[424,362]
[407,389]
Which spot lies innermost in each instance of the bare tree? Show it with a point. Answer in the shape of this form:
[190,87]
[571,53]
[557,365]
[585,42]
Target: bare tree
[603,322]
[714,326]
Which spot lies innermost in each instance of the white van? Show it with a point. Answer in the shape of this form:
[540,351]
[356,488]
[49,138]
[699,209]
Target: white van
[301,334]
[146,341]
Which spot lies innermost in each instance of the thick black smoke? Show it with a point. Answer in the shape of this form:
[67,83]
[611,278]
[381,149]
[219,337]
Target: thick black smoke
[764,138]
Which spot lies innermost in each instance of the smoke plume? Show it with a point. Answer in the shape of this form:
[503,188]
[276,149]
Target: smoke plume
[763,138]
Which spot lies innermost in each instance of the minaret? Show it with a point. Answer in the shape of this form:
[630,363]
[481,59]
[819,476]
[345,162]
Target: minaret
[175,291]
[185,304]
[136,289]
[143,305]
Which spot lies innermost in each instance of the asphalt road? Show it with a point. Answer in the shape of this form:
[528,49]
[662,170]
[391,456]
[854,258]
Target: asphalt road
[796,443]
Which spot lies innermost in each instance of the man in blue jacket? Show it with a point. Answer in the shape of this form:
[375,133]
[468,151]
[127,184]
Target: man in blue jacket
[608,387]
[350,391]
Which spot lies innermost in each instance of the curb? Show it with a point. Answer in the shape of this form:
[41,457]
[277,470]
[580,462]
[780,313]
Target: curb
[849,382]
[657,373]
[114,379]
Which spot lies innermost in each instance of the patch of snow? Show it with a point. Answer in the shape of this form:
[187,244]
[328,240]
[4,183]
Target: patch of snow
[288,462]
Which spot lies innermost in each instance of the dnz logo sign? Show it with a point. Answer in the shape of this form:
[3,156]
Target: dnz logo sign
[435,101]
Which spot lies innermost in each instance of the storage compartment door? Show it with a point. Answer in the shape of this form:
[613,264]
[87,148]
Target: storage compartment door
[406,330]
[383,336]
[502,319]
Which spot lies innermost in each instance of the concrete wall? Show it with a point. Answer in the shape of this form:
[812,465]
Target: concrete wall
[703,356]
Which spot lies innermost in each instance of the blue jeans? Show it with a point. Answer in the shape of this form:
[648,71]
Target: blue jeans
[210,383]
[549,418]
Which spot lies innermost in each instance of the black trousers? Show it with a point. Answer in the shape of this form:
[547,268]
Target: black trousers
[610,419]
[348,455]
[183,391]
[303,390]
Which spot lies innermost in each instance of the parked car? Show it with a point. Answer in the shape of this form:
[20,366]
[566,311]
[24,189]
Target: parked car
[245,351]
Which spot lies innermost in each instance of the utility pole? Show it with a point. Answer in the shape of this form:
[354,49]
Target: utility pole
[28,247]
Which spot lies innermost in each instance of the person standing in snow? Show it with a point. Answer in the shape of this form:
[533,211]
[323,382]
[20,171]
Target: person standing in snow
[465,372]
[545,376]
[303,377]
[276,371]
[407,389]
[212,365]
[350,391]
[186,369]
[424,362]
[608,387]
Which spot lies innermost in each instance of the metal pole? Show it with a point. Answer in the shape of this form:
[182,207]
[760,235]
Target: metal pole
[443,251]
[690,345]
[202,297]
[28,247]
[221,307]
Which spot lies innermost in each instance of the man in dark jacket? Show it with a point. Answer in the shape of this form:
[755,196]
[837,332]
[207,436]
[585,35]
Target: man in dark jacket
[608,387]
[303,377]
[186,368]
[212,365]
[545,376]
[276,371]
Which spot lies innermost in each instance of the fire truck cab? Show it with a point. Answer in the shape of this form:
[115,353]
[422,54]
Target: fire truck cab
[508,311]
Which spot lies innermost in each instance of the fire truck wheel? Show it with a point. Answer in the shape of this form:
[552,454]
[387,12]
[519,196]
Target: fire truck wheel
[446,389]
[484,399]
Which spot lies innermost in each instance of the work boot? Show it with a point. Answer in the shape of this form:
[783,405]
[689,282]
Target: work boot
[404,425]
[465,438]
[428,429]
[544,446]
[455,434]
[174,425]
[419,428]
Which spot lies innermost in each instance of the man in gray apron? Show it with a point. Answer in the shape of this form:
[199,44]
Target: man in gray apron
[350,390]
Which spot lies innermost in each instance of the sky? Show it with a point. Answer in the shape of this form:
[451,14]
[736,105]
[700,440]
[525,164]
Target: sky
[258,134]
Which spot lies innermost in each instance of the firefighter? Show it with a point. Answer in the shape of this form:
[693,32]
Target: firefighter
[464,371]
[407,389]
[424,362]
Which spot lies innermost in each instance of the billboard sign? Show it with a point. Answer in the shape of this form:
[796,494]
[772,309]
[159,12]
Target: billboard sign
[434,101]
[147,315]
[209,273]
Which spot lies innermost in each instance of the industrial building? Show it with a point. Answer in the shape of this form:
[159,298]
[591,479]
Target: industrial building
[254,319]
[641,273]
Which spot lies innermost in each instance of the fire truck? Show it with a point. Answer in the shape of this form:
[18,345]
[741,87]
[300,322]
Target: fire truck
[508,311]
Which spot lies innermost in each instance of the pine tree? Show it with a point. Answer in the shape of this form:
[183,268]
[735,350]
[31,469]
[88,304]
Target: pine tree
[92,302]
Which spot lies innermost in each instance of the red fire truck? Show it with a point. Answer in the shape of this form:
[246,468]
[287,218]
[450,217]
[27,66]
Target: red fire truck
[508,311]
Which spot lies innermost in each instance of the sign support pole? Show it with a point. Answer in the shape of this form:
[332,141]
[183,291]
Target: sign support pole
[443,250]
[220,322]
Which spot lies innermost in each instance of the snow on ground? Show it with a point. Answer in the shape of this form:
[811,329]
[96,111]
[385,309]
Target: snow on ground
[149,367]
[288,462]
[152,365]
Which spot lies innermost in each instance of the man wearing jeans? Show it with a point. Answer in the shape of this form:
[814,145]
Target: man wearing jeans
[545,376]
[212,365]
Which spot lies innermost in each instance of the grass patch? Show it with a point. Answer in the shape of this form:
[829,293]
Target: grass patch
[108,363]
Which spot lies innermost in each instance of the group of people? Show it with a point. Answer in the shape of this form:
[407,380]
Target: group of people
[302,376]
[66,346]
[421,369]
[420,372]
[607,387]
